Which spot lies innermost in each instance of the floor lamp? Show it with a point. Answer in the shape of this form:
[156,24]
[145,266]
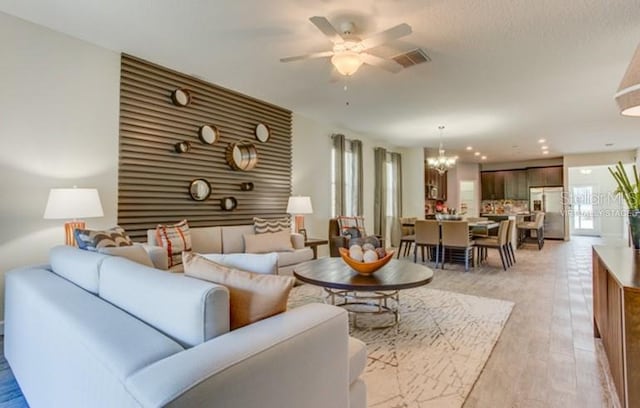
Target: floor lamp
[73,204]
[298,206]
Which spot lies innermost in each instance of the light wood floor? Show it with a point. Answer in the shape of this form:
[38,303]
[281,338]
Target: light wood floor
[546,355]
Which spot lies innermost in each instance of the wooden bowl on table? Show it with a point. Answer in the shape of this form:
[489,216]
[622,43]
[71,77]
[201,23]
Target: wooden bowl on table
[364,268]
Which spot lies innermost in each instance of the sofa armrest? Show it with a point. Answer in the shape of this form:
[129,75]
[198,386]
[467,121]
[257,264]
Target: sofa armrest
[158,256]
[295,359]
[297,240]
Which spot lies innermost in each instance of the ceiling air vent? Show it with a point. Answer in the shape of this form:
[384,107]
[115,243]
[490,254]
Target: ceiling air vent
[411,58]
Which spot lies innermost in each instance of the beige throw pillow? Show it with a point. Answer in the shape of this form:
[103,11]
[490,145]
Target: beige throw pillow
[252,296]
[135,253]
[268,242]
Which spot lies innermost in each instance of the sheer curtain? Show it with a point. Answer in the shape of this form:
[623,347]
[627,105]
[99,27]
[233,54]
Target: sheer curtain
[347,175]
[387,203]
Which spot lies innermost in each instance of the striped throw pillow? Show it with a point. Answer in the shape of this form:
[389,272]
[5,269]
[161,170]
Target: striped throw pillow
[348,225]
[174,239]
[93,240]
[262,225]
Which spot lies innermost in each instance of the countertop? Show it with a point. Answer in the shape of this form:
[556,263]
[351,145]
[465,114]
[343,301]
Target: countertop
[622,262]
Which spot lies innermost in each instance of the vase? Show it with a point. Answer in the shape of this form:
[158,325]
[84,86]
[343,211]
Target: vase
[634,228]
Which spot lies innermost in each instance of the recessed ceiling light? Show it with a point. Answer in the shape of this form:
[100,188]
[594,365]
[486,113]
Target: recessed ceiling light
[545,147]
[476,154]
[542,140]
[608,144]
[484,157]
[469,147]
[545,152]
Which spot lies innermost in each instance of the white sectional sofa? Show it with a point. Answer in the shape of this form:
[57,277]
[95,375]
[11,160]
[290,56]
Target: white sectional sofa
[229,240]
[92,330]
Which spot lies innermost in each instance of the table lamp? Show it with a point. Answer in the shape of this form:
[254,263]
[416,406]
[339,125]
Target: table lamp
[73,204]
[298,206]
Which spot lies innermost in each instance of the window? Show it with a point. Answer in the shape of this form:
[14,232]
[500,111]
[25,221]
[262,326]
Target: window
[351,170]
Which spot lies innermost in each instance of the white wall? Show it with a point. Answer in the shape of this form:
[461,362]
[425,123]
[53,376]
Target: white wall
[59,128]
[462,172]
[413,182]
[312,173]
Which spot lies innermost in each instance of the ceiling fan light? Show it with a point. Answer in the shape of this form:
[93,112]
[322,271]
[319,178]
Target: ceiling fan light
[628,96]
[346,62]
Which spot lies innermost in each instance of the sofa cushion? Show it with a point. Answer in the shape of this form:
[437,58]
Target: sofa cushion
[190,311]
[268,242]
[135,253]
[93,240]
[175,239]
[262,225]
[79,266]
[257,263]
[357,358]
[206,240]
[295,257]
[252,296]
[233,238]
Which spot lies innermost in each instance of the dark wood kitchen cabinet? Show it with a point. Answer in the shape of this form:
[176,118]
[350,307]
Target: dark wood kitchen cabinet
[435,185]
[515,185]
[492,185]
[545,176]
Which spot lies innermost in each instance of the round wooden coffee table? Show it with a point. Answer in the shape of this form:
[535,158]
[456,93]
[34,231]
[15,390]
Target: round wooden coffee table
[378,293]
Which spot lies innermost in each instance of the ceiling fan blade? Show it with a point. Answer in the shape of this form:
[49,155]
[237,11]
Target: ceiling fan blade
[385,36]
[327,29]
[308,56]
[387,65]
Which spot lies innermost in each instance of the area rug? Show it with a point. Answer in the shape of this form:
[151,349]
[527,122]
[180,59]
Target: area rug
[434,355]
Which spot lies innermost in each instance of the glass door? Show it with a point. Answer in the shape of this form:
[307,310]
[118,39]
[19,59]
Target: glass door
[582,211]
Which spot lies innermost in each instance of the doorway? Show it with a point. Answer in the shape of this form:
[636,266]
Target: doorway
[582,215]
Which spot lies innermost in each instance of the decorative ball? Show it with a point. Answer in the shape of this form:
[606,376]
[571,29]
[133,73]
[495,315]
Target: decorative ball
[356,253]
[356,241]
[373,240]
[368,246]
[381,252]
[370,256]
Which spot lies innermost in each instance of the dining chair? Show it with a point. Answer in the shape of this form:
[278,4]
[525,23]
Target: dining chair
[525,228]
[455,235]
[407,226]
[499,243]
[427,236]
[510,230]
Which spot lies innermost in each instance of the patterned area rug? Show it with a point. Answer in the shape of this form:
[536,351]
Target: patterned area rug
[435,354]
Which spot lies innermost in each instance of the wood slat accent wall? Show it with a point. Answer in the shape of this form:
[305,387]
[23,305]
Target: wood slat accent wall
[153,182]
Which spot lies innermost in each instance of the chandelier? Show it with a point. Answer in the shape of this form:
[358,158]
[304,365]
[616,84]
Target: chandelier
[441,163]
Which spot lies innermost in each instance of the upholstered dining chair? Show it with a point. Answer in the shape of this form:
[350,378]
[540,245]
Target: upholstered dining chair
[500,243]
[455,235]
[427,236]
[537,225]
[510,251]
[407,226]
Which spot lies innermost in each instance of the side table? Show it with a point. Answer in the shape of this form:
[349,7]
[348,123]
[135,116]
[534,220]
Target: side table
[313,243]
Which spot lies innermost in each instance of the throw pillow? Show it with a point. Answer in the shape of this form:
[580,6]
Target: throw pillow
[92,240]
[252,296]
[268,242]
[262,225]
[175,239]
[135,253]
[256,263]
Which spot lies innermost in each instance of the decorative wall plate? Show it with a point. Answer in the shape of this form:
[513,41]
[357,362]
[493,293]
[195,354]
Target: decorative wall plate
[181,97]
[209,134]
[228,203]
[182,147]
[246,186]
[262,132]
[200,189]
[242,155]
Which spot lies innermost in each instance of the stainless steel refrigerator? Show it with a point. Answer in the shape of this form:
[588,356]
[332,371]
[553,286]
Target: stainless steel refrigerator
[549,200]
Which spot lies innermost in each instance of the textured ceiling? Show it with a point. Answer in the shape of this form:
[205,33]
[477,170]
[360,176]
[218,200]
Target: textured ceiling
[504,73]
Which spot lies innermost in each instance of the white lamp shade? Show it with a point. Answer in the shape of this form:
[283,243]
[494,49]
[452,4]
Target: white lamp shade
[73,203]
[299,205]
[628,96]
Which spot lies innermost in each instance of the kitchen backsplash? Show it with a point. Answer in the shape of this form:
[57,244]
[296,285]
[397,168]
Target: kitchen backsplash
[504,206]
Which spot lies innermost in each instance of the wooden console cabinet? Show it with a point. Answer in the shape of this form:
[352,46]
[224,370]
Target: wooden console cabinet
[616,316]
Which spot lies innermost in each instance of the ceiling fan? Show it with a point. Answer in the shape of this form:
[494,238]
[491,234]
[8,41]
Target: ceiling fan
[349,51]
